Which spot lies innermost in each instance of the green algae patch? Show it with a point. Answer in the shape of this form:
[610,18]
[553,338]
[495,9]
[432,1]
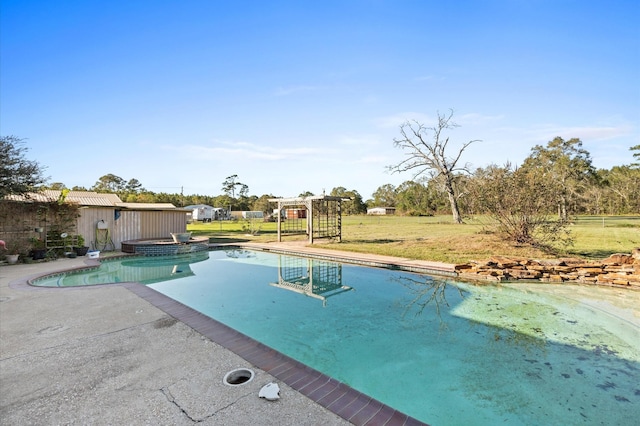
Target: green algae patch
[586,317]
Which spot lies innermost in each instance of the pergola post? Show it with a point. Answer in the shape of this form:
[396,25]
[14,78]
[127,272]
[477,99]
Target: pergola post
[309,205]
[328,227]
[279,222]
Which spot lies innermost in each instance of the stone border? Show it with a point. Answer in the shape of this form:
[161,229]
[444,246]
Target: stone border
[619,270]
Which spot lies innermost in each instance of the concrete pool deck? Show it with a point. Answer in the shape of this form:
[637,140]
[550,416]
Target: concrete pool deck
[122,354]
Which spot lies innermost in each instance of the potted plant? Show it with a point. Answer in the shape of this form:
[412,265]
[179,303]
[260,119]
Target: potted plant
[80,248]
[38,248]
[14,250]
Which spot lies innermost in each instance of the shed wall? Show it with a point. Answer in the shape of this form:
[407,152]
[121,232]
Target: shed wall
[88,220]
[127,227]
[131,225]
[160,224]
[19,221]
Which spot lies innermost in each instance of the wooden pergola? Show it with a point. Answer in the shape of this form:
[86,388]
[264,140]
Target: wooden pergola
[311,277]
[322,217]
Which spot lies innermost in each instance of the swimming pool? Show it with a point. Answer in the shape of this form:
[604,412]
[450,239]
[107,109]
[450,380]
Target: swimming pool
[442,352]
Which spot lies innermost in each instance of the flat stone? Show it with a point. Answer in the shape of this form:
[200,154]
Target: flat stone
[618,258]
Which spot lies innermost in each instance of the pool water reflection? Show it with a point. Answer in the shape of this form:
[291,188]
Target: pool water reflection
[145,270]
[441,351]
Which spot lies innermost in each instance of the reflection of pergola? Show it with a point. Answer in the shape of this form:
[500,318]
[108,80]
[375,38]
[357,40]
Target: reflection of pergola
[322,218]
[314,278]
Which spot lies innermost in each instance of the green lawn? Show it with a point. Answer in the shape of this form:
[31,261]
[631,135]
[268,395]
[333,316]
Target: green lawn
[438,238]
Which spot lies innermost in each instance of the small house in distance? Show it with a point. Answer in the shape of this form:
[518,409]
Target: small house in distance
[200,212]
[205,213]
[381,211]
[246,214]
[296,213]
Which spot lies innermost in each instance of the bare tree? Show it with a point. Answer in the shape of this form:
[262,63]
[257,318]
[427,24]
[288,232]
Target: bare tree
[426,152]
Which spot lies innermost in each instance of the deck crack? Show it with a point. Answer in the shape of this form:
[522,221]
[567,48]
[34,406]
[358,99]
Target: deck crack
[167,393]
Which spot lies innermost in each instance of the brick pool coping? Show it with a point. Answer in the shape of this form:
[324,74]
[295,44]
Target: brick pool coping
[339,398]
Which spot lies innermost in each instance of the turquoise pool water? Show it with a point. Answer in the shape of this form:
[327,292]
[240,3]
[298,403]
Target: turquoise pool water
[443,352]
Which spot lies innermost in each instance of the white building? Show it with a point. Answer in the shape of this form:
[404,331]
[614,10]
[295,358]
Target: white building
[381,210]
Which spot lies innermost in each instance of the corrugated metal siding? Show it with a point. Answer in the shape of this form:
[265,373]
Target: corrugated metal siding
[85,198]
[127,227]
[160,224]
[131,225]
[152,227]
[146,206]
[88,220]
[177,221]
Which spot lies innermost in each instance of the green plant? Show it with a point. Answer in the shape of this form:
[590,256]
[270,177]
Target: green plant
[250,227]
[79,241]
[37,243]
[16,247]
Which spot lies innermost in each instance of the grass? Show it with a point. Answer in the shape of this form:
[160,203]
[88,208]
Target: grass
[437,238]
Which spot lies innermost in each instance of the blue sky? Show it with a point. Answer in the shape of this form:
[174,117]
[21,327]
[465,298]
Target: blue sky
[297,96]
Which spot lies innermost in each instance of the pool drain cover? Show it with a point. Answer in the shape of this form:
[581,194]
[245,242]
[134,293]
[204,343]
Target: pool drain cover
[237,377]
[270,392]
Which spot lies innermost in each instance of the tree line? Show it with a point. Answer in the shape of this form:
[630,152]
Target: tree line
[235,195]
[560,175]
[530,203]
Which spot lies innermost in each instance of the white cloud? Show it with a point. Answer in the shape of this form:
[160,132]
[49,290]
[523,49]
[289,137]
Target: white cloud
[395,120]
[585,132]
[243,150]
[477,119]
[373,159]
[361,140]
